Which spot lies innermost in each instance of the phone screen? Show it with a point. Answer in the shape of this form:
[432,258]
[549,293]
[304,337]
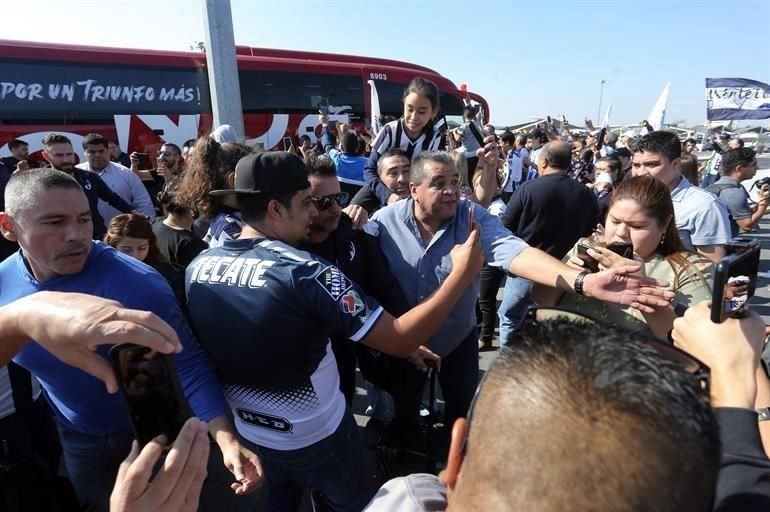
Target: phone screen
[286,143]
[588,261]
[735,281]
[150,387]
[470,219]
[625,250]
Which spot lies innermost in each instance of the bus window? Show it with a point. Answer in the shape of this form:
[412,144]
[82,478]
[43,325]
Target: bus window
[286,92]
[391,102]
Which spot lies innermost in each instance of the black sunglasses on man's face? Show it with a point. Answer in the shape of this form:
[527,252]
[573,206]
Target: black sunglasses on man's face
[325,202]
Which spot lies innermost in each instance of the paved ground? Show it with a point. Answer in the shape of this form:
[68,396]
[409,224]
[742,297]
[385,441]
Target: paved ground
[761,303]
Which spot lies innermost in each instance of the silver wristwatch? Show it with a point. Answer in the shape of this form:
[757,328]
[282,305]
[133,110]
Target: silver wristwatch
[763,413]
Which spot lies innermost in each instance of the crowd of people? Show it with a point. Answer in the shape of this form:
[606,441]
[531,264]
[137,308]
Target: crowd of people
[272,277]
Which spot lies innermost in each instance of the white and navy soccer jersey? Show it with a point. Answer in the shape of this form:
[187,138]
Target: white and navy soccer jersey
[393,136]
[265,311]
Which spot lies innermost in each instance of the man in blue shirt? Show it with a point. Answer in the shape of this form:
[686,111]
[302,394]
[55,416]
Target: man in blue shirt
[417,236]
[49,216]
[265,311]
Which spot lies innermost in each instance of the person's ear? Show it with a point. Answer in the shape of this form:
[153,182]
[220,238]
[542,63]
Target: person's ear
[275,210]
[413,189]
[7,227]
[450,474]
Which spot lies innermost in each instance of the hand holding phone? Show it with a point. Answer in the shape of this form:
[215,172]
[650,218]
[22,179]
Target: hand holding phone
[151,390]
[589,262]
[735,280]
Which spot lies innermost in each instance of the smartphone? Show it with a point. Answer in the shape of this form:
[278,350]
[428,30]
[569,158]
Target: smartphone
[151,390]
[624,249]
[287,143]
[144,160]
[470,219]
[588,261]
[735,279]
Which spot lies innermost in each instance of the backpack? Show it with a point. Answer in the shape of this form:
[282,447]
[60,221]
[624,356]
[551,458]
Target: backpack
[716,189]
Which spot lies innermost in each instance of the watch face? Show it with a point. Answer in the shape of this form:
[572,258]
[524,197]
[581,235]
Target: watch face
[763,414]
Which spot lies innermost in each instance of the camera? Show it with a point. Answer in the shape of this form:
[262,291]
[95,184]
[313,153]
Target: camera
[763,183]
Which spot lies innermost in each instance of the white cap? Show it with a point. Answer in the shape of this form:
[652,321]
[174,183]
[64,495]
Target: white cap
[631,134]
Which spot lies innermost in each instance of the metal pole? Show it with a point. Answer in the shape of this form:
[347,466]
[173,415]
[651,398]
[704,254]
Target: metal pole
[222,65]
[601,95]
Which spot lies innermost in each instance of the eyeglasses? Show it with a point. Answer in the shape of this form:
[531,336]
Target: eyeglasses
[536,315]
[325,202]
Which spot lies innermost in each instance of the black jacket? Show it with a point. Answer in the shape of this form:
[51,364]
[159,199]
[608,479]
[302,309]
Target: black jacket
[359,256]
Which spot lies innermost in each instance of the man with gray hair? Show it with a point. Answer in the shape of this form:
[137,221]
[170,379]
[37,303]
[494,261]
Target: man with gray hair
[48,214]
[417,235]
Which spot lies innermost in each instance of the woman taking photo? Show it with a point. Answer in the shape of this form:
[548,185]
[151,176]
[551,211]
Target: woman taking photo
[640,213]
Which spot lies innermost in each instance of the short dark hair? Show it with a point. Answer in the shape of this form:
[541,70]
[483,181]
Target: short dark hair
[732,158]
[508,138]
[538,134]
[739,141]
[650,438]
[624,152]
[55,138]
[172,145]
[189,143]
[521,139]
[16,143]
[94,139]
[612,162]
[389,153]
[659,143]
[320,165]
[349,143]
[469,112]
[690,140]
[254,206]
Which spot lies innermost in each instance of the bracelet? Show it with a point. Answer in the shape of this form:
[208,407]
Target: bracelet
[578,285]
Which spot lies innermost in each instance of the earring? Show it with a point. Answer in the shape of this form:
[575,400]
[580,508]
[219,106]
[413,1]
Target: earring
[662,239]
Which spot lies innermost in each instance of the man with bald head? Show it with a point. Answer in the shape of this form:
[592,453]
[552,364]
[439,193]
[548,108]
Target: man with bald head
[550,213]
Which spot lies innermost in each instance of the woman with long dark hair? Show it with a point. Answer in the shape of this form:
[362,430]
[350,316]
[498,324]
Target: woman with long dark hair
[132,235]
[641,213]
[212,167]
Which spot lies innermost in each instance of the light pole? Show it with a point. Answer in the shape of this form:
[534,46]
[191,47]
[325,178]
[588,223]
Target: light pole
[601,95]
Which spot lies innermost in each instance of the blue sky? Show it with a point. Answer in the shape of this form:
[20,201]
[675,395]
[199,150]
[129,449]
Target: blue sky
[526,59]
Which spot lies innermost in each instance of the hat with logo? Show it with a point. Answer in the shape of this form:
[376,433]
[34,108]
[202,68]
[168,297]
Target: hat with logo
[272,172]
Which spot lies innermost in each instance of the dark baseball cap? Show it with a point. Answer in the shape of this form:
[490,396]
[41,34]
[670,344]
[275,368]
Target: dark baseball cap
[271,172]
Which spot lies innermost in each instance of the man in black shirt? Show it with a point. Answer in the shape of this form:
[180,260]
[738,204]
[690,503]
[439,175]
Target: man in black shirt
[57,151]
[356,253]
[550,213]
[19,153]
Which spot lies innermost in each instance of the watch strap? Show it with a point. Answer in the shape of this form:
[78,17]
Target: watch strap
[578,285]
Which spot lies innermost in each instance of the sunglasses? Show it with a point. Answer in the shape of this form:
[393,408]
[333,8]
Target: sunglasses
[325,202]
[536,315]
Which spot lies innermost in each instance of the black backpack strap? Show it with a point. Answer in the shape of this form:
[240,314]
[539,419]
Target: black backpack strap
[476,133]
[717,188]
